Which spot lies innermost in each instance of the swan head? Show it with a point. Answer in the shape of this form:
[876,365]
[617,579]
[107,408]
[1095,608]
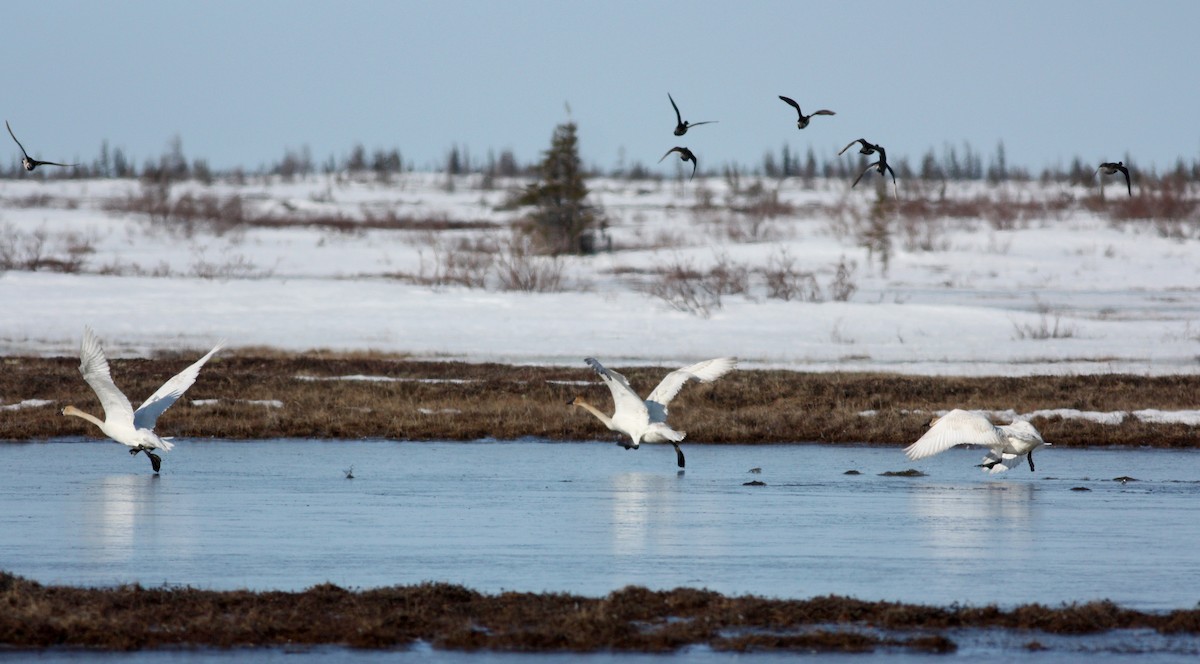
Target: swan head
[577,401]
[72,410]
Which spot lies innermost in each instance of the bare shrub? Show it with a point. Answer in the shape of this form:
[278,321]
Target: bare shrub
[685,288]
[236,266]
[1165,204]
[842,286]
[39,250]
[727,277]
[519,267]
[1044,329]
[455,263]
[784,281]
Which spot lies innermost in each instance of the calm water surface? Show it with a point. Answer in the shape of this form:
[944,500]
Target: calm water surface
[589,518]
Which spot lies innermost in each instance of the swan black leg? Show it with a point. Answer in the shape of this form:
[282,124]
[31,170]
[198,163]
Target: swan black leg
[1031,461]
[678,455]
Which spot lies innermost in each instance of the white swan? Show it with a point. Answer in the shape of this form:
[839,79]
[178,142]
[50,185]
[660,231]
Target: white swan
[646,421]
[1007,443]
[121,422]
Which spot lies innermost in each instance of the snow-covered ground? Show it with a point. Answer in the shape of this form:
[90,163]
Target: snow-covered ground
[1059,292]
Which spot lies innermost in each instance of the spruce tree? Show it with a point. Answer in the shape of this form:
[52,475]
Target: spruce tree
[562,220]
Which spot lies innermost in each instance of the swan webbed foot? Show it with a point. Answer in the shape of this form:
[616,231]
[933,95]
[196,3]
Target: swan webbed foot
[134,450]
[678,455]
[155,461]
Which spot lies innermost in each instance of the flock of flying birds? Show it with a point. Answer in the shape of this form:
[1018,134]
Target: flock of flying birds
[642,420]
[865,147]
[681,128]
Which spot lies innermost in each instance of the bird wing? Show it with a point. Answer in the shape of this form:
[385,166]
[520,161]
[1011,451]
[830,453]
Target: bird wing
[824,111]
[678,117]
[626,402]
[697,124]
[792,102]
[1128,185]
[958,427]
[695,165]
[889,169]
[668,153]
[869,167]
[14,136]
[94,367]
[147,413]
[850,144]
[703,372]
[38,162]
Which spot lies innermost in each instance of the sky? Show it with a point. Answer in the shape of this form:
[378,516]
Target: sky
[242,82]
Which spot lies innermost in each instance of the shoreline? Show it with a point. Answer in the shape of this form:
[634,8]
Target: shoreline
[453,617]
[244,395]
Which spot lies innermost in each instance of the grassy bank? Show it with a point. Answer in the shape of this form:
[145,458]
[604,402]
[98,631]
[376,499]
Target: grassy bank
[454,617]
[458,401]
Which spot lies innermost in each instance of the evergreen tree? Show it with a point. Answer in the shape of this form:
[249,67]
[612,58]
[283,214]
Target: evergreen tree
[563,220]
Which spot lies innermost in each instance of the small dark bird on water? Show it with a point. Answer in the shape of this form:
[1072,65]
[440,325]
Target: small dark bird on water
[681,127]
[684,155]
[1110,168]
[29,163]
[880,166]
[867,148]
[803,120]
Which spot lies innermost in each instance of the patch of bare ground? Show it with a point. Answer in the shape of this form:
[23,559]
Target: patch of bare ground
[413,400]
[453,617]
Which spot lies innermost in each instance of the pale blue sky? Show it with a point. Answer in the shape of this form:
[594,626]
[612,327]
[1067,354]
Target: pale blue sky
[241,81]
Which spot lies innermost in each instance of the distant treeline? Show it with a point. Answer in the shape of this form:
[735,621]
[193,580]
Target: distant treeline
[952,162]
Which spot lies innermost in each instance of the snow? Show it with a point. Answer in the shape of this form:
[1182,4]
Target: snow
[986,300]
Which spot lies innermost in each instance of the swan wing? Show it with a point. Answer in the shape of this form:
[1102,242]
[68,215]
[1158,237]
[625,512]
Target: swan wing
[958,427]
[626,402]
[703,372]
[94,367]
[147,414]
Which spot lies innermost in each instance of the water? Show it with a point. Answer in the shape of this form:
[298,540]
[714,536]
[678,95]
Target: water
[590,518]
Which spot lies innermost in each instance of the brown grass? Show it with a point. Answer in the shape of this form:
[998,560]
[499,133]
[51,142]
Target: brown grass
[473,401]
[454,617]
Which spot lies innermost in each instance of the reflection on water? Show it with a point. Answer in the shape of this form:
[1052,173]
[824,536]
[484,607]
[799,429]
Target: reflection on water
[124,518]
[118,506]
[644,509]
[957,520]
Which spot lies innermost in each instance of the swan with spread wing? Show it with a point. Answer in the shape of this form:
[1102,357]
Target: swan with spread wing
[645,421]
[133,428]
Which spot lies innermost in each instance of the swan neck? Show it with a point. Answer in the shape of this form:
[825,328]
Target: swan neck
[73,411]
[595,411]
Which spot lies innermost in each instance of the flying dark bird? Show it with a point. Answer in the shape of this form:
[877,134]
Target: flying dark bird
[684,155]
[879,166]
[681,127]
[1110,168]
[867,148]
[29,162]
[803,121]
